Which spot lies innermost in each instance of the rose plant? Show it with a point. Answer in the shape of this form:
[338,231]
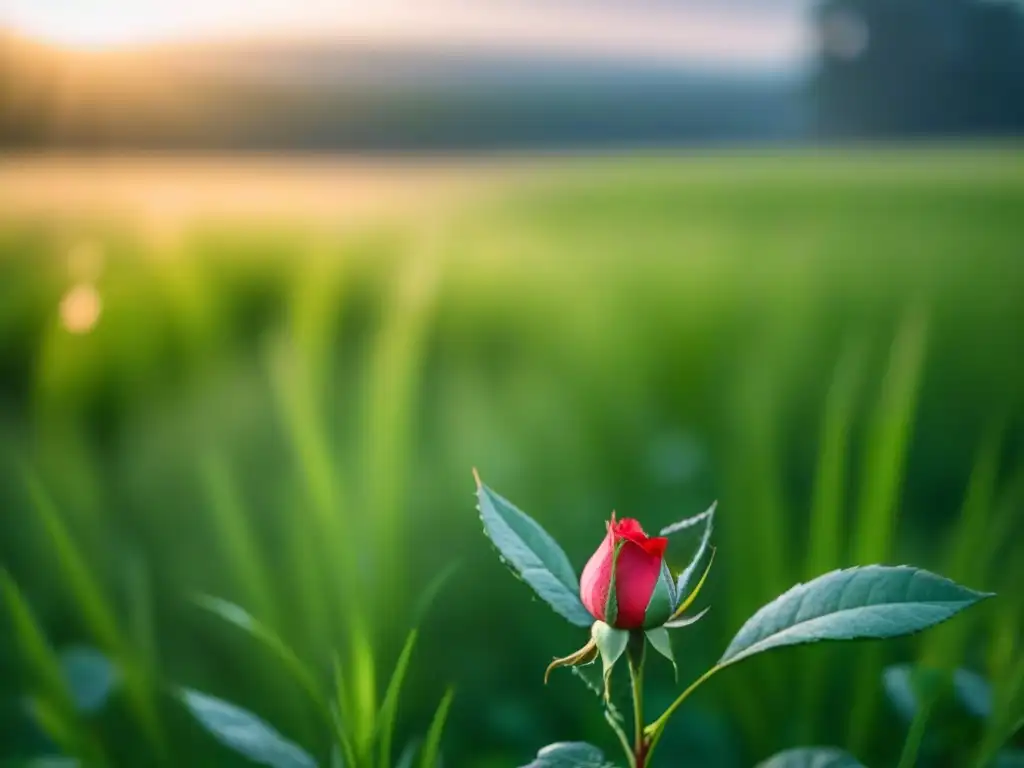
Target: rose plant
[628,598]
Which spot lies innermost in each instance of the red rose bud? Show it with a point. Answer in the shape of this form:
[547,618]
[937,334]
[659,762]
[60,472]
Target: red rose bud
[626,584]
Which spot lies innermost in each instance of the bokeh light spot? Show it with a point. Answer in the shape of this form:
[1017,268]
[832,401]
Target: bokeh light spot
[80,308]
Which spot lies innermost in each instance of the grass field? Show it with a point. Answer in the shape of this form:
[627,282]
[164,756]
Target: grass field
[275,377]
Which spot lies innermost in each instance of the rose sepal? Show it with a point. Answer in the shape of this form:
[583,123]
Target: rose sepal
[660,641]
[611,644]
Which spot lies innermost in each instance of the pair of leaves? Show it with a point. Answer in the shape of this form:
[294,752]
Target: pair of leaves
[538,559]
[871,601]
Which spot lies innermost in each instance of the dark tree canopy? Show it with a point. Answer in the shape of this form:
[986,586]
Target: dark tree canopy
[919,67]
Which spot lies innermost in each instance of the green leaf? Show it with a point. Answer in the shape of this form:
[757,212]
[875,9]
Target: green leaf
[432,744]
[432,590]
[686,621]
[531,552]
[811,757]
[707,517]
[245,733]
[662,602]
[90,676]
[662,644]
[569,754]
[872,601]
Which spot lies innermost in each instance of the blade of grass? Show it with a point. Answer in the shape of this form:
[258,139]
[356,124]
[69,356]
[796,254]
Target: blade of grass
[36,653]
[98,614]
[272,642]
[757,537]
[391,390]
[888,440]
[408,757]
[1005,651]
[1009,715]
[306,575]
[321,554]
[53,707]
[918,726]
[242,619]
[233,531]
[432,744]
[342,710]
[303,422]
[316,299]
[389,709]
[56,725]
[969,550]
[826,525]
[362,693]
[141,622]
[884,466]
[824,551]
[432,590]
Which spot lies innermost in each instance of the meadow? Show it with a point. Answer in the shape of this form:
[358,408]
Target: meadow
[275,378]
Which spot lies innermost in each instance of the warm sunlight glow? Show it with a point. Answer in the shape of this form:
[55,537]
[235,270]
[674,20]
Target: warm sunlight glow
[93,25]
[105,23]
[653,30]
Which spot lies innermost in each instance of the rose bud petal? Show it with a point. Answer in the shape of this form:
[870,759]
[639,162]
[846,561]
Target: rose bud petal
[626,583]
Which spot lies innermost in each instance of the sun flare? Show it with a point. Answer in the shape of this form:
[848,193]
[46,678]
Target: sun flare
[103,23]
[607,30]
[109,23]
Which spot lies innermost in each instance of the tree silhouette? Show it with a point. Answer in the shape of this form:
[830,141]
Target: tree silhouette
[919,67]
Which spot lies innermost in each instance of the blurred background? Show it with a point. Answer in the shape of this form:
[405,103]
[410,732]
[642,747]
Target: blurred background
[275,276]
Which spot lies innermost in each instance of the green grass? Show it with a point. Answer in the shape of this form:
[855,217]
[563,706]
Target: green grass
[285,414]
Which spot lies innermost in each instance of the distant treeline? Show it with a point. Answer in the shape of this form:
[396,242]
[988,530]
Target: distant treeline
[346,96]
[884,68]
[919,67]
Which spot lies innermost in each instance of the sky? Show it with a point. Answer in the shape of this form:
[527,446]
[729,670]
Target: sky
[745,31]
